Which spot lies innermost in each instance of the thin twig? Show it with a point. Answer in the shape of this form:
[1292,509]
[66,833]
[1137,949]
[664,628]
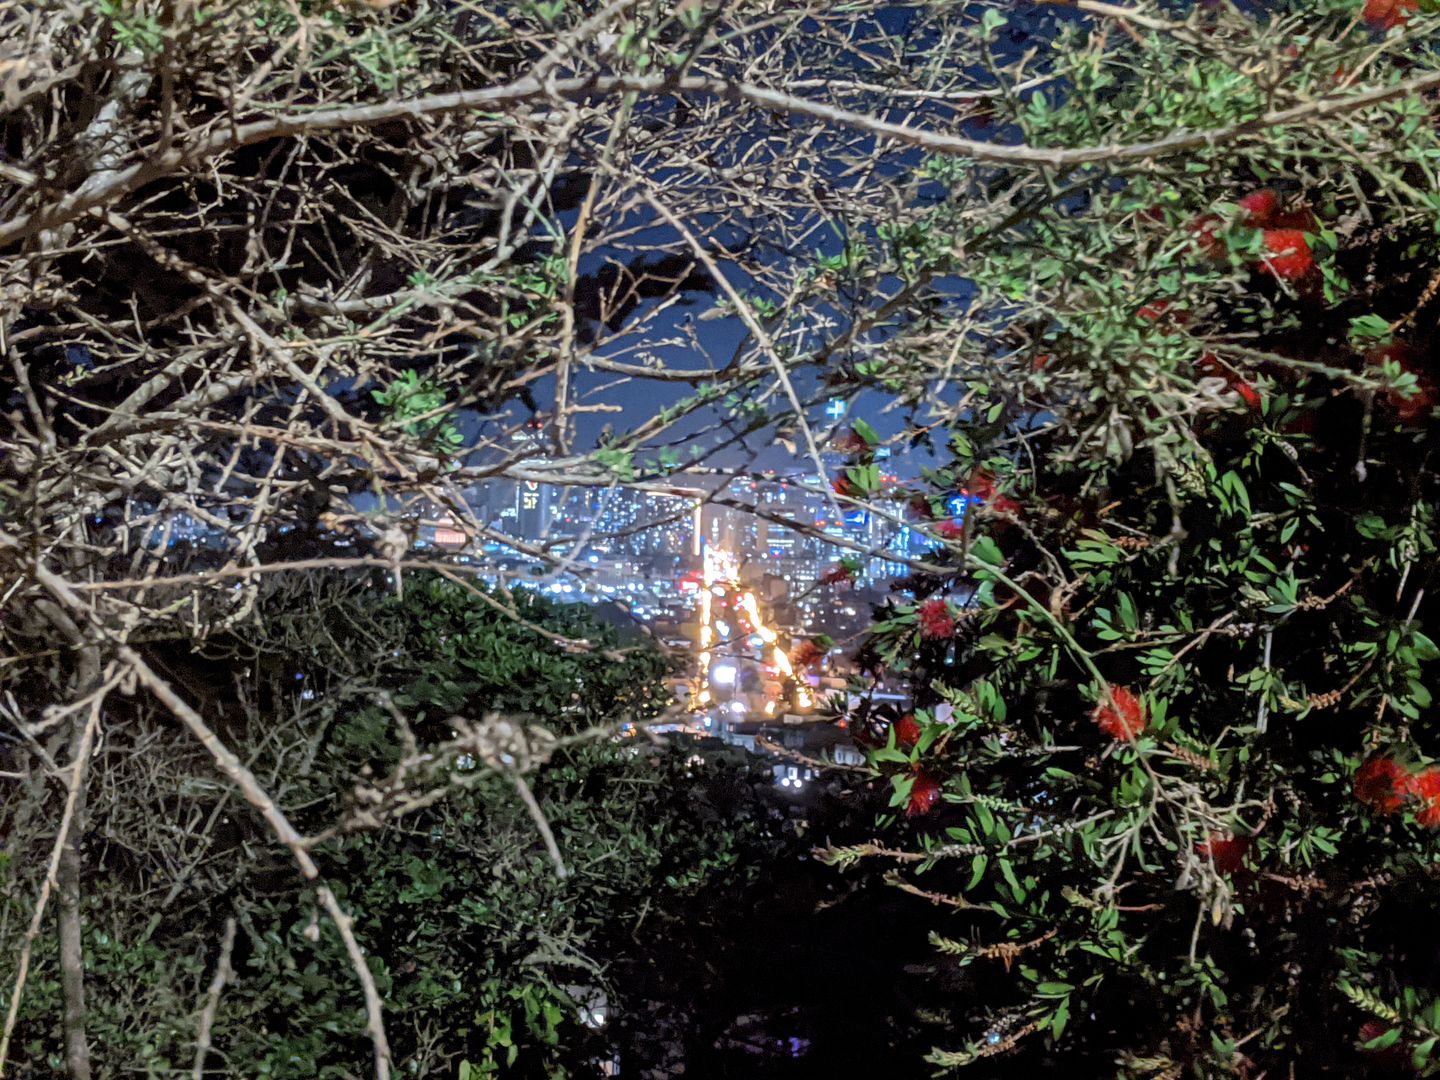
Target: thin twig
[223,974]
[538,816]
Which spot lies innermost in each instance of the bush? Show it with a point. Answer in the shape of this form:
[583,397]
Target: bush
[1170,677]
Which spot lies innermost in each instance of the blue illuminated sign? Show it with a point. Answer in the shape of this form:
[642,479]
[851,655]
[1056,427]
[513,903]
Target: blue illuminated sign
[956,504]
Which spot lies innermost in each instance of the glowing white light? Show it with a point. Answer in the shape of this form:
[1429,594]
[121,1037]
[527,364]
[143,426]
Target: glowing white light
[723,675]
[752,609]
[737,707]
[722,626]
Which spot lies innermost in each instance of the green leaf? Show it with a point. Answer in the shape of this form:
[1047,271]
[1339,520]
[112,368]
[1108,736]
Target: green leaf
[1420,1056]
[1128,617]
[986,551]
[977,871]
[1368,330]
[1424,648]
[1062,1016]
[1383,1042]
[1008,873]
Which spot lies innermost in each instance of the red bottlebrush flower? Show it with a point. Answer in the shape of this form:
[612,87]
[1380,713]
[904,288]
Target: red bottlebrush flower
[1287,254]
[1120,714]
[950,530]
[1425,787]
[805,655]
[924,794]
[919,505]
[1395,1056]
[839,574]
[1371,1029]
[1248,394]
[1160,309]
[851,442]
[1041,362]
[936,620]
[1383,14]
[1225,850]
[907,732]
[1211,365]
[841,485]
[981,485]
[1205,234]
[1381,783]
[1418,406]
[1260,207]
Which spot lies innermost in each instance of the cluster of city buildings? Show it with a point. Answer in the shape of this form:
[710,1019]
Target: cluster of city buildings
[736,571]
[646,547]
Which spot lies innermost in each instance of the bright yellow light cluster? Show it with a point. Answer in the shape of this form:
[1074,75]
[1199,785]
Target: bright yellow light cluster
[752,609]
[722,570]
